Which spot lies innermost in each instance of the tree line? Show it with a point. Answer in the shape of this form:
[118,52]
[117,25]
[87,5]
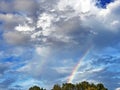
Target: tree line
[79,86]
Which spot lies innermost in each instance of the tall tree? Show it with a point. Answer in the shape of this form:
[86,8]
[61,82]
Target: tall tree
[69,86]
[56,87]
[36,88]
[100,86]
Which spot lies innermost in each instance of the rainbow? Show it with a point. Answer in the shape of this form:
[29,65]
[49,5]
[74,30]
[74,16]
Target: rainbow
[75,69]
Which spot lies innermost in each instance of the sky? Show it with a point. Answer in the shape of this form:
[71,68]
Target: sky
[47,42]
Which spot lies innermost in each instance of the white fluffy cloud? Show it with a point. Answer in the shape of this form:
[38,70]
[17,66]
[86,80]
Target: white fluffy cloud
[117,88]
[68,22]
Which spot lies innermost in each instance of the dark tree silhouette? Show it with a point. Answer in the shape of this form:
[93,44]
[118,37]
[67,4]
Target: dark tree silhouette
[79,86]
[100,86]
[57,87]
[36,88]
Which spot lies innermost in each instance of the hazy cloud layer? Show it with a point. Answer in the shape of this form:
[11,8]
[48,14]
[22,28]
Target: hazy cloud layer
[51,36]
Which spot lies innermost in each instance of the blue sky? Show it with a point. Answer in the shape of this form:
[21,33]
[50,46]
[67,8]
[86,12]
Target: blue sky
[42,41]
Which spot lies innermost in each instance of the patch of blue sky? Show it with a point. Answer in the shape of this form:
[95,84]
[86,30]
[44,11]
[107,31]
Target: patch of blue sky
[19,65]
[103,3]
[110,51]
[114,68]
[11,59]
[27,81]
[3,45]
[1,22]
[1,33]
[16,58]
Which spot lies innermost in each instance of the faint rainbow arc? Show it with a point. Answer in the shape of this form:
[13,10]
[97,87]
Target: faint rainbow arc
[75,69]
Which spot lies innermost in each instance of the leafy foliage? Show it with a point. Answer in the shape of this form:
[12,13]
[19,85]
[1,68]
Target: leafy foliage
[36,88]
[79,86]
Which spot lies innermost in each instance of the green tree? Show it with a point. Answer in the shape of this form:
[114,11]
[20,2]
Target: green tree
[85,85]
[68,86]
[36,88]
[100,86]
[78,87]
[56,87]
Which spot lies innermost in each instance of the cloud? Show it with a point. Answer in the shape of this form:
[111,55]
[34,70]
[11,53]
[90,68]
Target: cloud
[66,25]
[4,5]
[99,71]
[43,51]
[104,79]
[10,20]
[51,36]
[16,38]
[117,88]
[22,6]
[78,6]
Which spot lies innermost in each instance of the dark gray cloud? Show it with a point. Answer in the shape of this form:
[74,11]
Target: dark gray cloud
[17,6]
[10,20]
[16,38]
[62,27]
